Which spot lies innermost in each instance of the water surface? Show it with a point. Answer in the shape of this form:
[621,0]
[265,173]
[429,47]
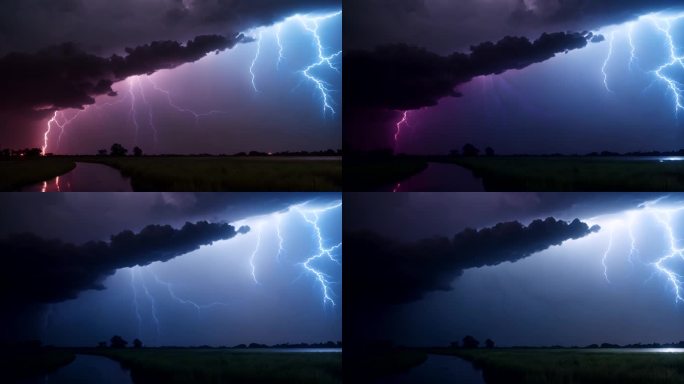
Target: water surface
[86,177]
[438,369]
[439,177]
[86,369]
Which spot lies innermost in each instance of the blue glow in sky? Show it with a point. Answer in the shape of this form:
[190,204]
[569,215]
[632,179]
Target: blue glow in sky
[251,288]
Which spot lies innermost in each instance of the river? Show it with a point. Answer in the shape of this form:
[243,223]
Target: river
[86,369]
[86,177]
[438,369]
[439,177]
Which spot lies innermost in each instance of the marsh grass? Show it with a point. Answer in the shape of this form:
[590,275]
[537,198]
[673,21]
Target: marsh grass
[176,366]
[18,364]
[575,174]
[179,173]
[15,174]
[575,366]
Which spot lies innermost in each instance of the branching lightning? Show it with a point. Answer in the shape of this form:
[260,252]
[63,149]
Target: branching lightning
[664,24]
[663,264]
[254,253]
[150,293]
[310,23]
[611,40]
[135,94]
[312,216]
[256,57]
[398,125]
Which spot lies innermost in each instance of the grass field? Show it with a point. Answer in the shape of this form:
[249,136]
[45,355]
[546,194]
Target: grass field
[574,366]
[17,364]
[15,174]
[192,174]
[176,366]
[227,173]
[575,174]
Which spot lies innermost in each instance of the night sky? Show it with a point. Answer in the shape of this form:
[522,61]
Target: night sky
[536,269]
[189,76]
[484,72]
[245,269]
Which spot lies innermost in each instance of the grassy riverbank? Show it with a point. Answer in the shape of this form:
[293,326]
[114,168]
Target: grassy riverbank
[177,366]
[15,174]
[562,366]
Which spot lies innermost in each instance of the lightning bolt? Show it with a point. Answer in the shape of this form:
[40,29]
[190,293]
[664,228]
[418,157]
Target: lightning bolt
[136,92]
[632,47]
[54,120]
[278,29]
[397,132]
[133,111]
[312,25]
[254,253]
[135,302]
[605,62]
[183,301]
[312,217]
[605,256]
[153,304]
[665,216]
[256,57]
[278,219]
[664,24]
[172,104]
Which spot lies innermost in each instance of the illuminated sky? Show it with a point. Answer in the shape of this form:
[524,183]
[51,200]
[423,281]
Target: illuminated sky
[270,285]
[559,104]
[261,92]
[571,294]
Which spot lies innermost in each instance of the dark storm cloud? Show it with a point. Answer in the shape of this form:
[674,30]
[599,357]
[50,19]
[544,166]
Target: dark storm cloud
[37,213]
[402,77]
[445,26]
[39,271]
[64,76]
[388,272]
[107,26]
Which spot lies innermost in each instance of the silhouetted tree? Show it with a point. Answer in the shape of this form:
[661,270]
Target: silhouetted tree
[137,152]
[489,343]
[470,150]
[137,343]
[118,342]
[118,150]
[102,152]
[489,151]
[33,152]
[470,342]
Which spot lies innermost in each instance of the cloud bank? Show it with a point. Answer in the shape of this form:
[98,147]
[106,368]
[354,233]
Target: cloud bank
[389,272]
[40,271]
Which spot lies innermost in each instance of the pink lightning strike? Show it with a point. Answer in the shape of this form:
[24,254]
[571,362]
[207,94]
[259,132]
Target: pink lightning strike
[61,126]
[403,121]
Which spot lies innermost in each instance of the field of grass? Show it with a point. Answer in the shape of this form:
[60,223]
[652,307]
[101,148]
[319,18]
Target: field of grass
[368,174]
[171,173]
[15,174]
[17,364]
[176,366]
[575,174]
[537,366]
